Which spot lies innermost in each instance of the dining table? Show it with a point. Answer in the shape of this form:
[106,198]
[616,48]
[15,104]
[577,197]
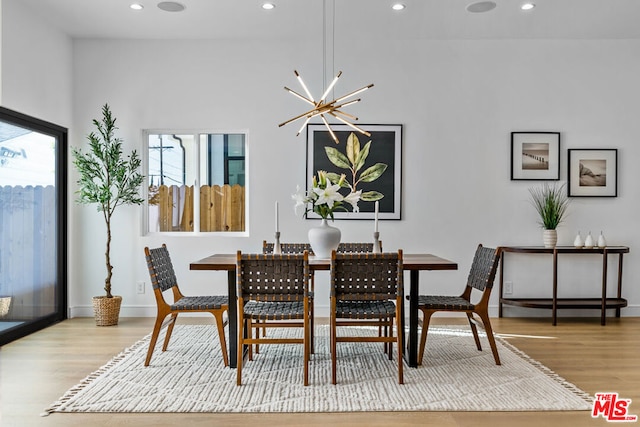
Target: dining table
[414,263]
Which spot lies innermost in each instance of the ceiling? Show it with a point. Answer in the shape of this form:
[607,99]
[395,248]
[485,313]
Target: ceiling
[371,19]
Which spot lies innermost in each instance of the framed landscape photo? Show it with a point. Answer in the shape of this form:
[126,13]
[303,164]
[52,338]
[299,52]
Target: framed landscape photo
[535,156]
[593,172]
[385,147]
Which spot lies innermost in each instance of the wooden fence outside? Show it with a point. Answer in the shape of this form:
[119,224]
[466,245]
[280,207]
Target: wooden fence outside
[221,207]
[28,250]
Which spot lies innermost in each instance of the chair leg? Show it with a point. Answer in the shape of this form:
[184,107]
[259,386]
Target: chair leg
[492,342]
[239,360]
[167,337]
[306,343]
[249,326]
[312,331]
[154,339]
[399,341]
[426,318]
[333,346]
[223,341]
[258,336]
[474,329]
[389,327]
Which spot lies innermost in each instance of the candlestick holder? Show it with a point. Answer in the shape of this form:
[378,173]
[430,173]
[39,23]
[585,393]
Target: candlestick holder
[277,250]
[376,242]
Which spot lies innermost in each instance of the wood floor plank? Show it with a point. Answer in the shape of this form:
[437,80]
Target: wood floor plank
[38,369]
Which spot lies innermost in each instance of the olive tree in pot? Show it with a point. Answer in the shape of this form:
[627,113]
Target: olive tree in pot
[108,180]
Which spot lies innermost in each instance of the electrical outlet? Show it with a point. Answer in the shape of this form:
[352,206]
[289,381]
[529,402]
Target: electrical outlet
[508,288]
[140,287]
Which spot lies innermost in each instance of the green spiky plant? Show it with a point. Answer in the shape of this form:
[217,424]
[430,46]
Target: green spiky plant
[107,178]
[551,203]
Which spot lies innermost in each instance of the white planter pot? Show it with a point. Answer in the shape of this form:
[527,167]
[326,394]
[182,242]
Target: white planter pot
[324,239]
[550,238]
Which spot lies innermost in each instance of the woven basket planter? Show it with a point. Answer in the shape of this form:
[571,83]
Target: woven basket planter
[107,310]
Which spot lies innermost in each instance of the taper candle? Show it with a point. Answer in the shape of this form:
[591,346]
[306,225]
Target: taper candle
[376,216]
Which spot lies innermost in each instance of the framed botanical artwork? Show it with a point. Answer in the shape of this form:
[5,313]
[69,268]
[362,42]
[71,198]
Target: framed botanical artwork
[593,172]
[535,156]
[381,151]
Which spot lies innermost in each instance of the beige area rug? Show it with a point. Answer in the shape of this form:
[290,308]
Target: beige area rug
[190,377]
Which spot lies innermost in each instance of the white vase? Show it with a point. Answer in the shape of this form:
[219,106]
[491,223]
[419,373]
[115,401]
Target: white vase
[550,238]
[324,239]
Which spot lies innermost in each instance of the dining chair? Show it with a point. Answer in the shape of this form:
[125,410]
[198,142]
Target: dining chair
[163,279]
[294,248]
[480,279]
[274,291]
[366,290]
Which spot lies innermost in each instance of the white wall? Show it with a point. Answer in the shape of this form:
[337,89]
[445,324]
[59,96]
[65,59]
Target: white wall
[458,102]
[36,65]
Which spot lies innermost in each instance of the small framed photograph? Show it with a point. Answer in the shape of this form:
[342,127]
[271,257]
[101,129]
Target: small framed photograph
[593,172]
[535,156]
[385,146]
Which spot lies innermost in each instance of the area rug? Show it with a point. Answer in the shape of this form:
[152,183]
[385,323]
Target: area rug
[190,377]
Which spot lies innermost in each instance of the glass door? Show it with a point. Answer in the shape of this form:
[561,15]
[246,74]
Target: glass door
[32,224]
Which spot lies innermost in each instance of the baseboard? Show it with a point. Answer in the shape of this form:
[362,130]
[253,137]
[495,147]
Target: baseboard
[322,310]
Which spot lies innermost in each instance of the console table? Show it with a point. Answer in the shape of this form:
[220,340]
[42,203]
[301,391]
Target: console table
[554,303]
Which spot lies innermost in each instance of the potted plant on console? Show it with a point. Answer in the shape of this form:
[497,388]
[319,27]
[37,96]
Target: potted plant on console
[108,180]
[551,203]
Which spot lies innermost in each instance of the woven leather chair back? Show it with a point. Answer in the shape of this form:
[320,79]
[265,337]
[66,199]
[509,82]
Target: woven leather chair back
[161,271]
[366,276]
[483,268]
[269,277]
[298,248]
[287,248]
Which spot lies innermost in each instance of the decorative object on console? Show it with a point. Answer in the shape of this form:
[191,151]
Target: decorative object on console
[593,173]
[601,241]
[588,241]
[551,203]
[578,242]
[535,156]
[107,180]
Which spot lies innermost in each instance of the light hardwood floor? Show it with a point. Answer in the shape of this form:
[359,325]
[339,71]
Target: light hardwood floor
[37,369]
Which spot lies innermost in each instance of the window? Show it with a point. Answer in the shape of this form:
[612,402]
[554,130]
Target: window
[196,182]
[33,221]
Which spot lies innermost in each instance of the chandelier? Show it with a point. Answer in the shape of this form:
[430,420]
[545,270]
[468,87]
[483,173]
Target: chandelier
[322,107]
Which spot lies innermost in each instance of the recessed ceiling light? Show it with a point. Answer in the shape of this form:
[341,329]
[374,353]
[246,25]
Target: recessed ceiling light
[481,7]
[527,6]
[171,6]
[268,6]
[398,6]
[136,6]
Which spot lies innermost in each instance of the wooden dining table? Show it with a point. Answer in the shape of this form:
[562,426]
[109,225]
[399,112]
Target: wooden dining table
[414,263]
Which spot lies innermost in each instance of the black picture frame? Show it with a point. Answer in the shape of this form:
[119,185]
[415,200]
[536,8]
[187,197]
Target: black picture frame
[535,156]
[592,172]
[386,147]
